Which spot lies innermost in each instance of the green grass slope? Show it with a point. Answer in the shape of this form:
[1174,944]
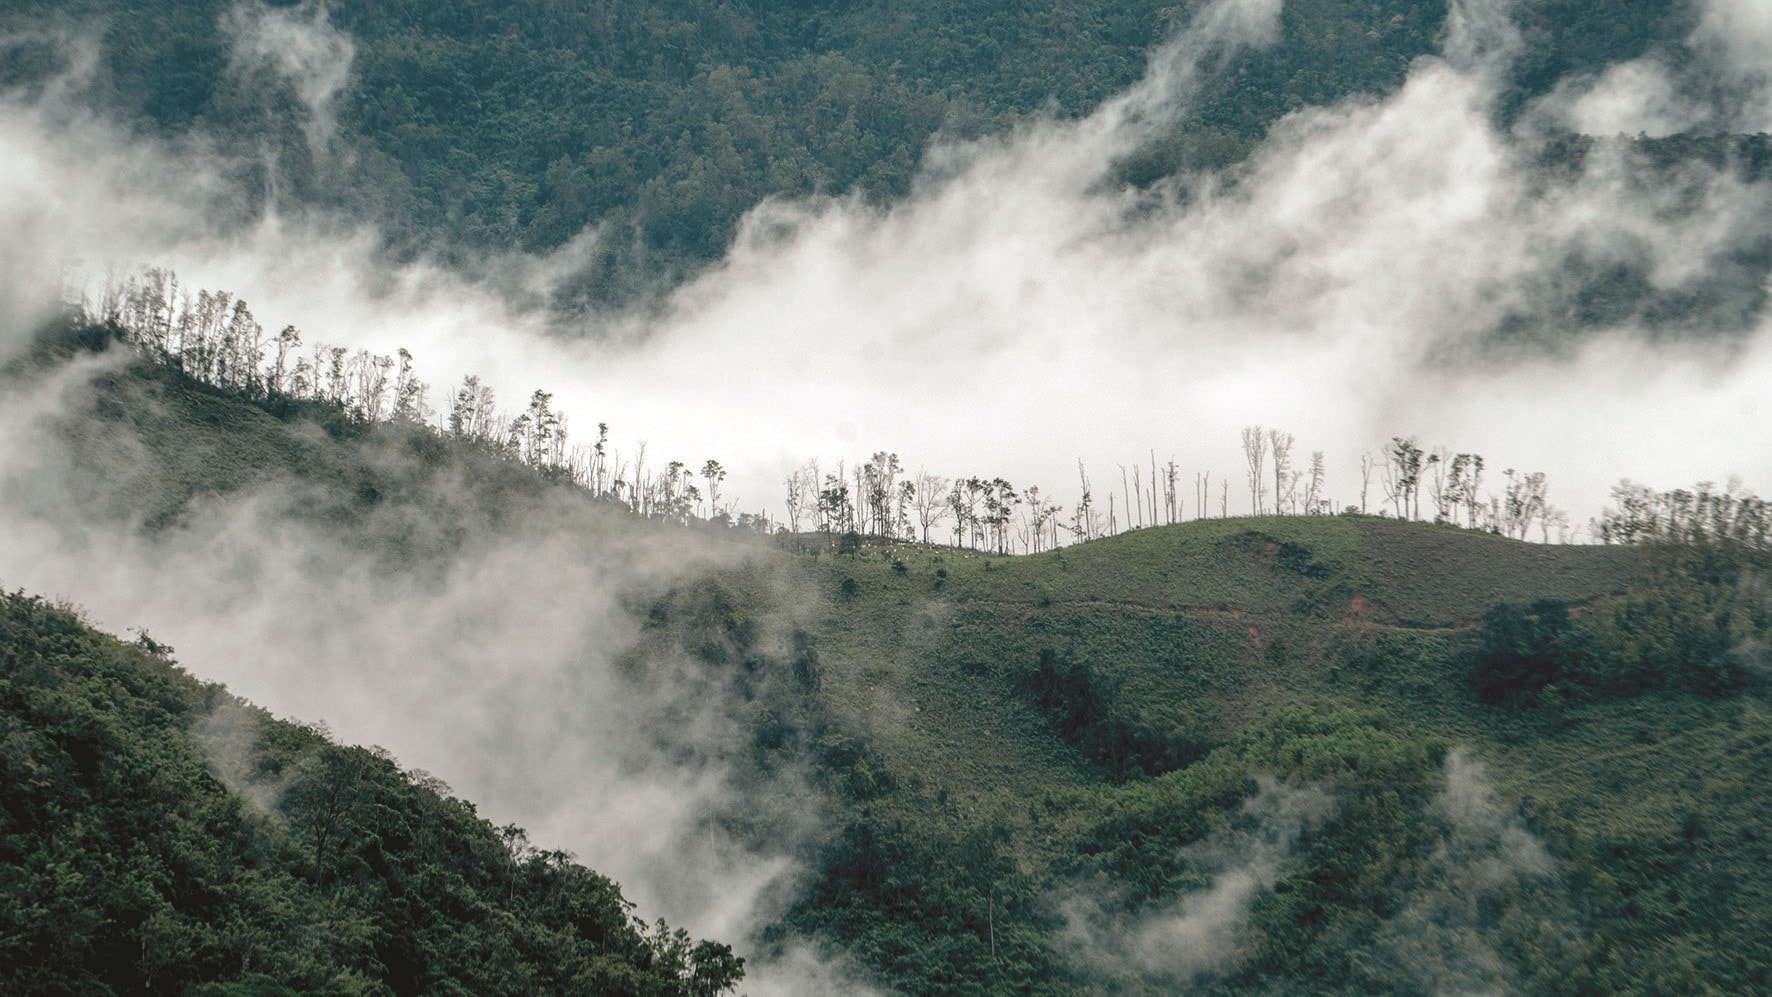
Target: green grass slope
[1085,720]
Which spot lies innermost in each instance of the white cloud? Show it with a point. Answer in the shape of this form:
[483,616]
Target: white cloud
[499,661]
[301,44]
[1737,36]
[1013,317]
[1201,932]
[1443,940]
[1630,98]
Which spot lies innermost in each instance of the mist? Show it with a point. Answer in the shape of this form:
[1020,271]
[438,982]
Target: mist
[1017,314]
[1201,932]
[301,44]
[1353,281]
[1442,939]
[502,662]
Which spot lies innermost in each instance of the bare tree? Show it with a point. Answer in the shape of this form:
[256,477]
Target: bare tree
[1439,482]
[1138,495]
[1255,453]
[1126,492]
[836,513]
[1367,463]
[1041,514]
[1313,491]
[1172,492]
[1523,503]
[1403,475]
[1554,519]
[713,474]
[797,493]
[1000,501]
[1085,525]
[1154,520]
[641,495]
[289,340]
[956,500]
[471,412]
[1281,444]
[1472,493]
[879,477]
[929,500]
[409,392]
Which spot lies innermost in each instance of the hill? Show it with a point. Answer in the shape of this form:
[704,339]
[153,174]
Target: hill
[1324,754]
[1098,721]
[159,835]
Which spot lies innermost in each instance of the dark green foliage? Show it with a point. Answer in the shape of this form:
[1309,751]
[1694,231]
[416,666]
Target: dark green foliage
[1071,695]
[521,123]
[129,867]
[936,909]
[1522,651]
[1698,619]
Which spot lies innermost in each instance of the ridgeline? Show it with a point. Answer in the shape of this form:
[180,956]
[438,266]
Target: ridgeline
[1326,753]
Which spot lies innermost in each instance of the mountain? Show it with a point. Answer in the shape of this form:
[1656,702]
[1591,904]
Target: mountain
[1311,753]
[476,129]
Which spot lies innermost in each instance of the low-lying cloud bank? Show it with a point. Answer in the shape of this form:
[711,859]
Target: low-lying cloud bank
[1484,875]
[1442,941]
[1382,267]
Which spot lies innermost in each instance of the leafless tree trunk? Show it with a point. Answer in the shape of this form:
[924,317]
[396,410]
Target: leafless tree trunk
[1281,444]
[1255,453]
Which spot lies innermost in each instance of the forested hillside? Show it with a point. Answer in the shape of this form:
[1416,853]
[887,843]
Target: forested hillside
[158,835]
[1335,754]
[474,128]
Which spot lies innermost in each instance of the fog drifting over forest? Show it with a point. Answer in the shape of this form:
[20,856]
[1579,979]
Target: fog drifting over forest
[1013,316]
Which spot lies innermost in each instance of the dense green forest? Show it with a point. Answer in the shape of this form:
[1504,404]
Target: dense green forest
[1328,754]
[158,835]
[464,129]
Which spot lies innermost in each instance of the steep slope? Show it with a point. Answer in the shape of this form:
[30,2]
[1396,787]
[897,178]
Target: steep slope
[158,835]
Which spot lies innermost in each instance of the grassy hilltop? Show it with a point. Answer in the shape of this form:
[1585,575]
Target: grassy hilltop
[1087,718]
[1323,754]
